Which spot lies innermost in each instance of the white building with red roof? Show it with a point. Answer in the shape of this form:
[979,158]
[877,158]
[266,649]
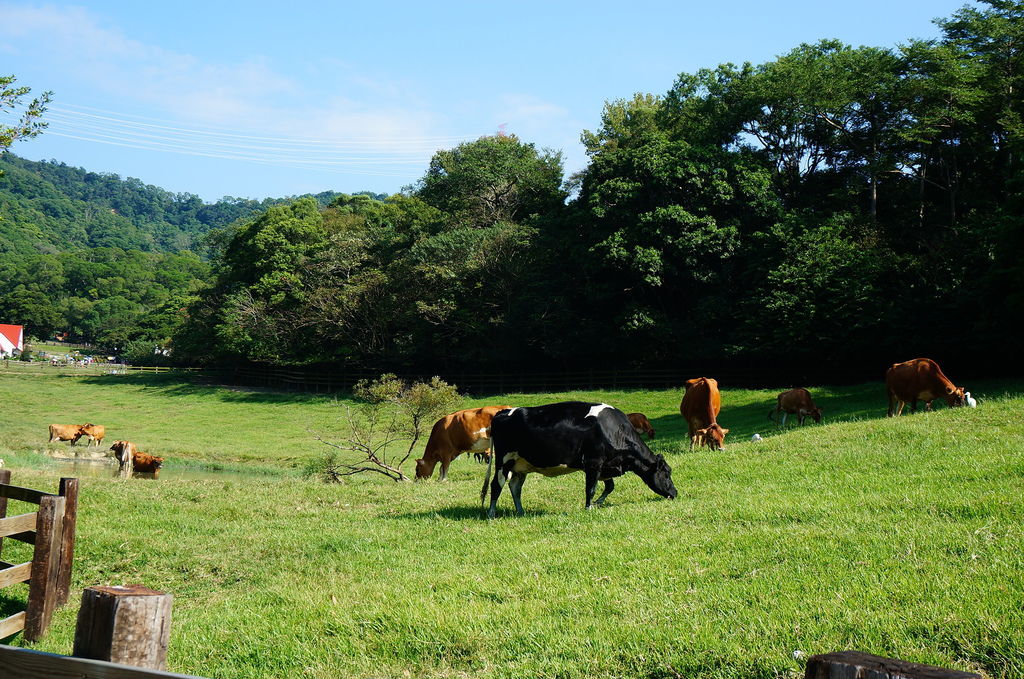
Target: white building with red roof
[11,337]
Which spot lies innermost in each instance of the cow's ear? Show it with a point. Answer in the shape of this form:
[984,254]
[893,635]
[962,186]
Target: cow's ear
[724,432]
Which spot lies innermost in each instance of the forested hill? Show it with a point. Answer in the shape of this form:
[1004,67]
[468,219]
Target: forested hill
[103,259]
[49,207]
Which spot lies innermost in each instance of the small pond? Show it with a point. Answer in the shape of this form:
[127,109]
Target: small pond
[107,468]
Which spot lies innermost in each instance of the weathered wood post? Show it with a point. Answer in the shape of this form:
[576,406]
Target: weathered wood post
[855,664]
[127,625]
[69,491]
[42,588]
[5,477]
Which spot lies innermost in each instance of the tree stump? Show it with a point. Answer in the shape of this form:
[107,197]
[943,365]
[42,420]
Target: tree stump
[858,665]
[127,625]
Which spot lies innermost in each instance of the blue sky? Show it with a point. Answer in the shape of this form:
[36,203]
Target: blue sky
[258,99]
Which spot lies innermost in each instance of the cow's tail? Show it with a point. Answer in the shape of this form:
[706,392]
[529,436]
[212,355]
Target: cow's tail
[487,478]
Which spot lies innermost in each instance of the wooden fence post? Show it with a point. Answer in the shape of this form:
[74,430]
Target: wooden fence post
[5,477]
[855,664]
[45,567]
[127,625]
[69,490]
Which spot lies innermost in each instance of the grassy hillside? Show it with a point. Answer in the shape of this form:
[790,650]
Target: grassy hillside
[894,536]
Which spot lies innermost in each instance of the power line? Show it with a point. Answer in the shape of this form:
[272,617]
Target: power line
[356,156]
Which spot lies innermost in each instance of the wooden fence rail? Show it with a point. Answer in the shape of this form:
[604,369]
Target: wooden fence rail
[51,529]
[22,663]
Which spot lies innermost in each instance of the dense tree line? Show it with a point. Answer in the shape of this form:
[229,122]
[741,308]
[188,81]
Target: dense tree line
[836,203]
[103,259]
[109,296]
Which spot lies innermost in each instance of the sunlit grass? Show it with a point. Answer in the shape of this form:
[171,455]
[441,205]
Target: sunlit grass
[900,537]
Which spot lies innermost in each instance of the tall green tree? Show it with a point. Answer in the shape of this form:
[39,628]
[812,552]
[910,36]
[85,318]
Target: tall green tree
[493,179]
[28,122]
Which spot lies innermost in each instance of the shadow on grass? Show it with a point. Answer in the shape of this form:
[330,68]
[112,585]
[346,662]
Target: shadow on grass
[10,605]
[465,513]
[842,404]
[184,385]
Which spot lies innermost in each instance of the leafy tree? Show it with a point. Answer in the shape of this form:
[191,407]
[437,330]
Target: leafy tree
[29,122]
[391,412]
[31,309]
[493,179]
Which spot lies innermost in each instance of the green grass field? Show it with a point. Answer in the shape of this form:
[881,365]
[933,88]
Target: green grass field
[900,537]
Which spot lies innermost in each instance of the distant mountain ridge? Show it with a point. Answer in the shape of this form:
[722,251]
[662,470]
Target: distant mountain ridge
[48,207]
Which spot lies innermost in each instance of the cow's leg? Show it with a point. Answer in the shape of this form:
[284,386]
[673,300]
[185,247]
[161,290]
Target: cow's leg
[913,406]
[928,406]
[609,486]
[899,408]
[593,476]
[445,461]
[515,486]
[785,414]
[801,416]
[500,477]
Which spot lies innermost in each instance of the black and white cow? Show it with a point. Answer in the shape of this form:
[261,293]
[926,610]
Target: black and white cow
[561,438]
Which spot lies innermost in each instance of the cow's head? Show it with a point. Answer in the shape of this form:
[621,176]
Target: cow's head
[81,432]
[424,468]
[658,477]
[713,435]
[815,414]
[955,396]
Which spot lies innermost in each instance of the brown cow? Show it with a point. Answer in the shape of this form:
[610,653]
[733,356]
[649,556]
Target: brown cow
[795,402]
[65,432]
[920,379]
[124,451]
[146,463]
[699,407]
[641,424]
[454,434]
[93,432]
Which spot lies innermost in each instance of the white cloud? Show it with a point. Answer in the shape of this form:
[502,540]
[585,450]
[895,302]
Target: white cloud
[247,96]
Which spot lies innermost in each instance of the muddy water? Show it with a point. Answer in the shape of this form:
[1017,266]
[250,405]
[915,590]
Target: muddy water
[81,468]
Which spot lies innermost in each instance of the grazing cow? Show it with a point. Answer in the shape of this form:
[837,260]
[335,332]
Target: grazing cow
[146,463]
[561,438]
[795,402]
[699,407]
[462,431]
[93,432]
[920,379]
[65,432]
[124,451]
[641,424]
